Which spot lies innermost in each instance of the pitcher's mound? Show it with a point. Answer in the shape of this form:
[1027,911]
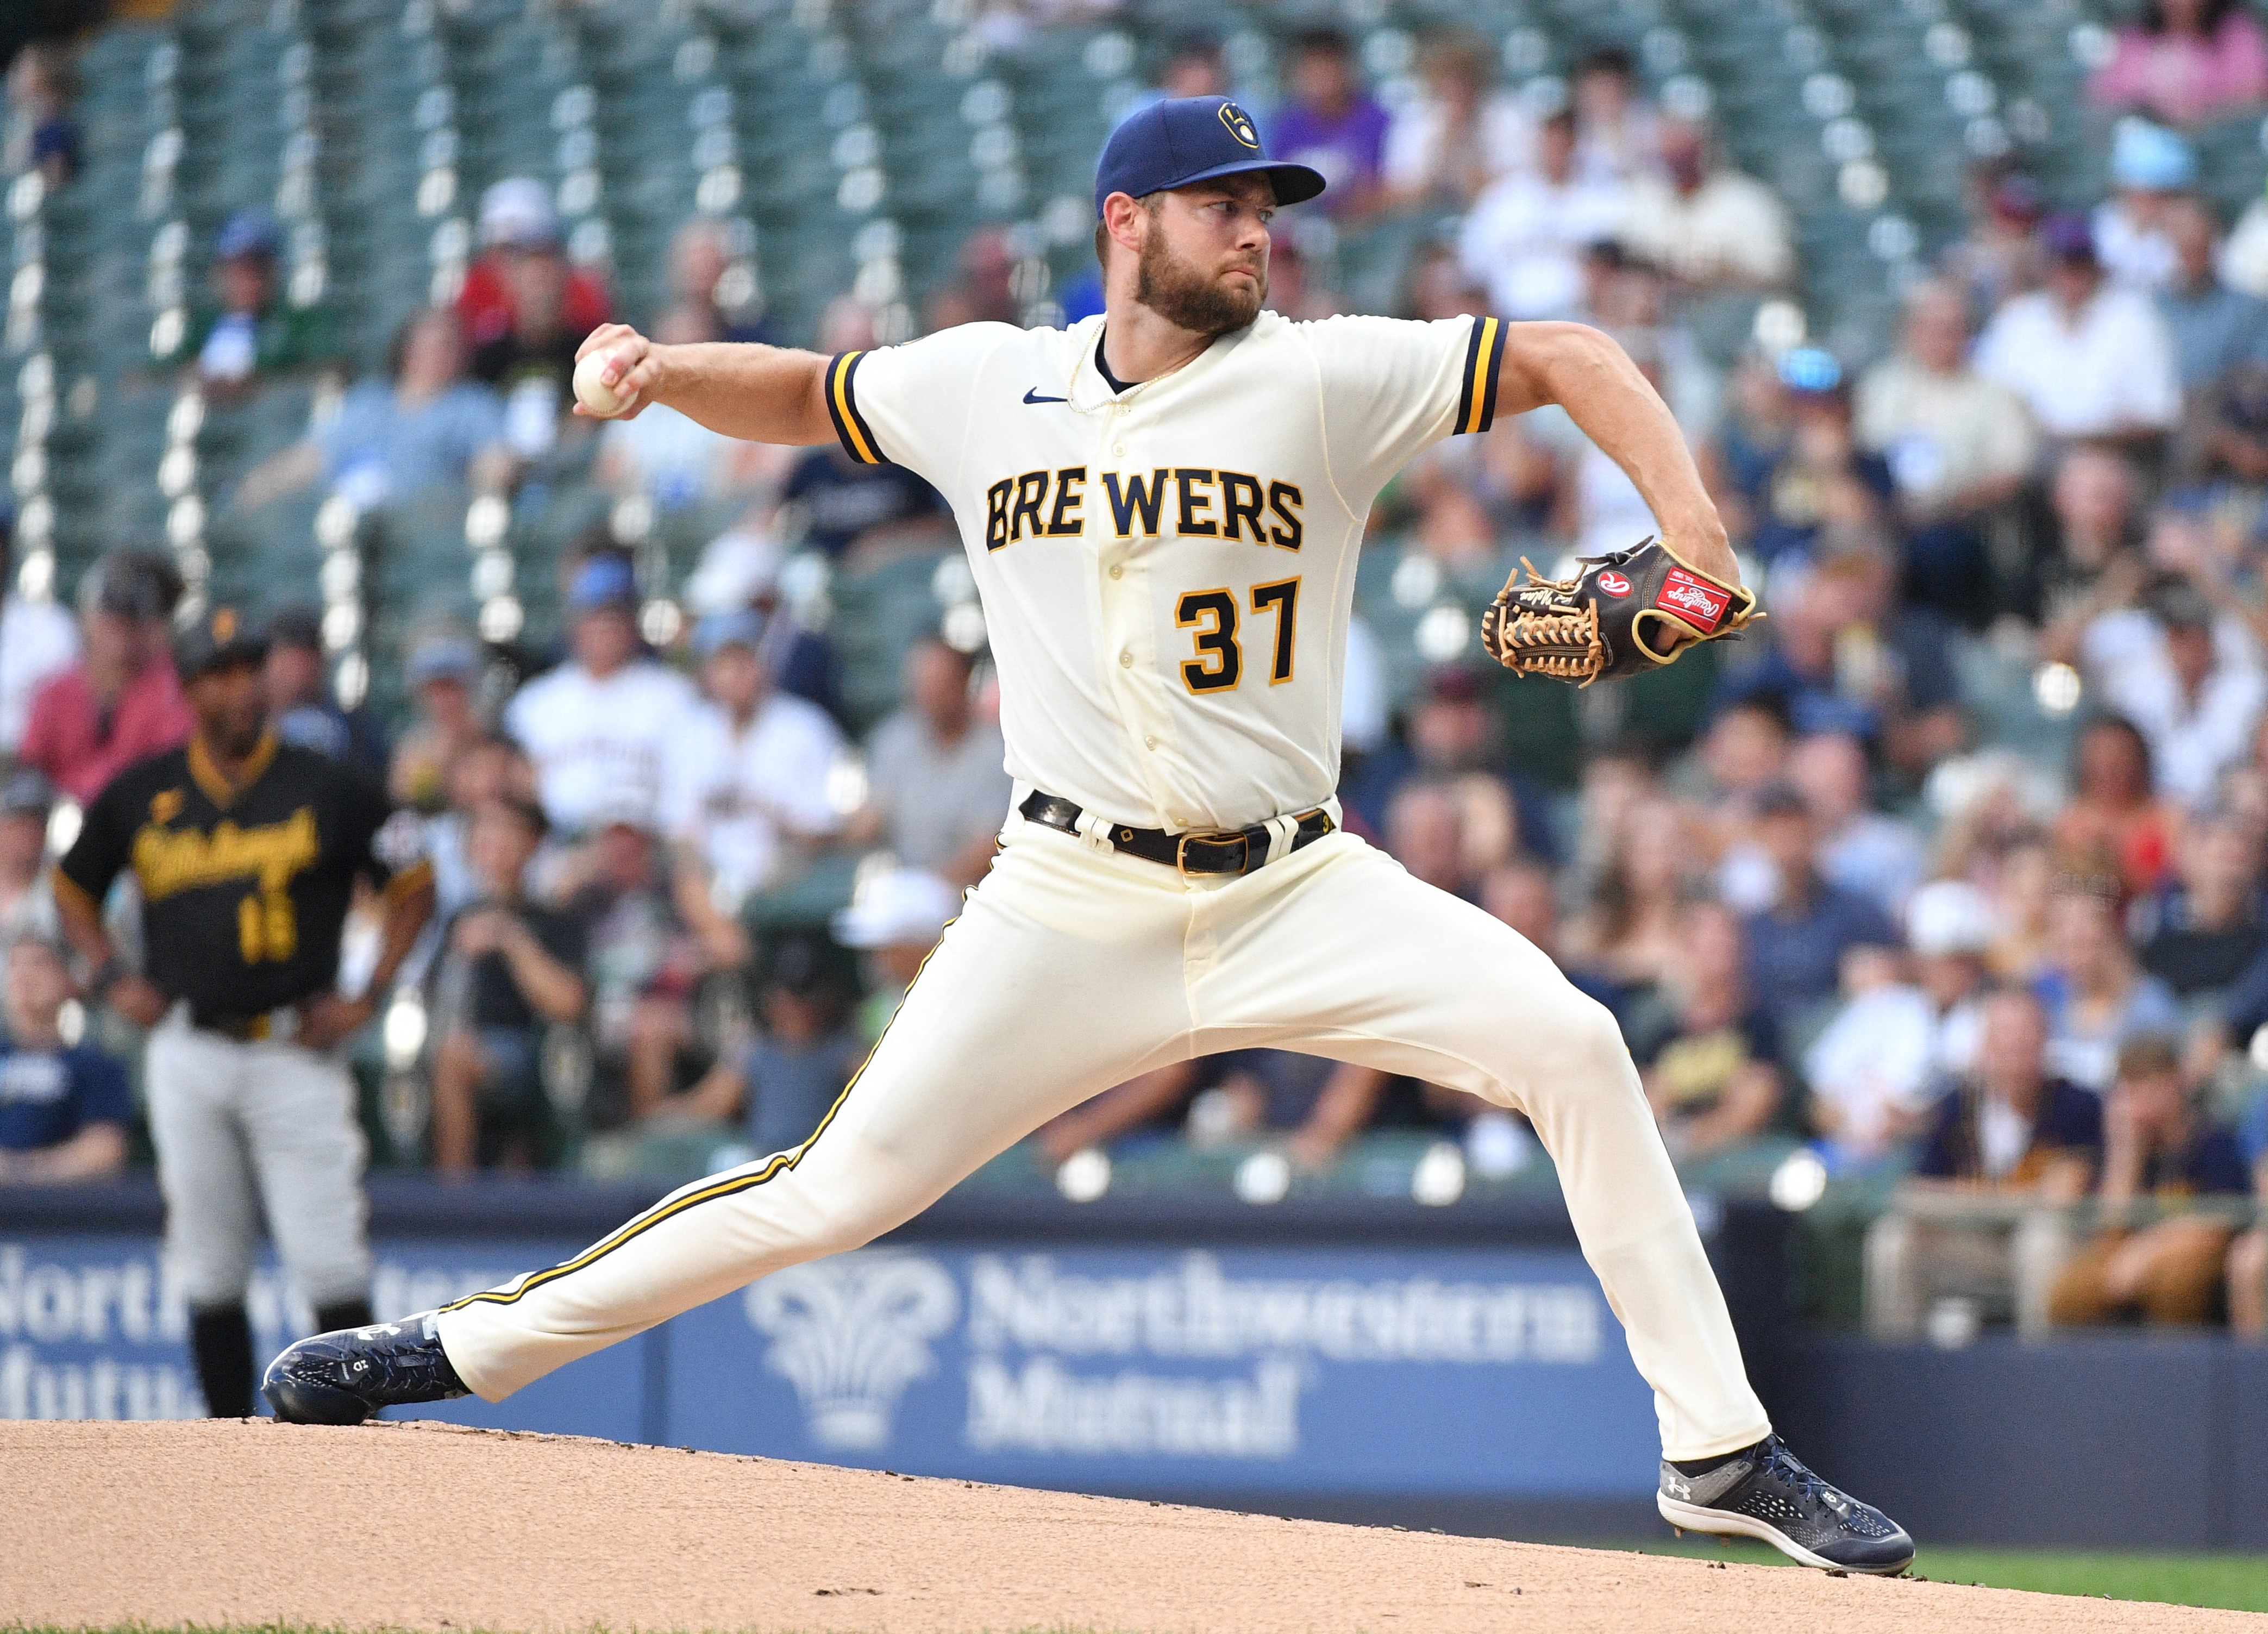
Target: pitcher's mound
[430,1527]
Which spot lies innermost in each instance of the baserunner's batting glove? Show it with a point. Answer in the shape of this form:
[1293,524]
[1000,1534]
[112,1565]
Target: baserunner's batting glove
[1623,614]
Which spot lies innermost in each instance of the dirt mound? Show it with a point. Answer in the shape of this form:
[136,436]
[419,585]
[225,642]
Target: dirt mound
[431,1526]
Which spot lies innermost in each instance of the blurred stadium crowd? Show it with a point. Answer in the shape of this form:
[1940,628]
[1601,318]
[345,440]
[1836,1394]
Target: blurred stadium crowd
[1943,896]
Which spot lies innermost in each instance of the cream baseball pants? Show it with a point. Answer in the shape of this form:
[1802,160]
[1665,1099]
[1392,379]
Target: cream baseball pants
[1072,968]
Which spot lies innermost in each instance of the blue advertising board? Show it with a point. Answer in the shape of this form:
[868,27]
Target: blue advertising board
[1465,1371]
[1451,1371]
[92,1327]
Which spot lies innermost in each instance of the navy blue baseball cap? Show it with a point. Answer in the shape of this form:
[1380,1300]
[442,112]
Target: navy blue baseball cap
[1190,139]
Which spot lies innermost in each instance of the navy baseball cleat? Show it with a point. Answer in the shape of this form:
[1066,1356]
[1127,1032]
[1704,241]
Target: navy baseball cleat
[1766,1491]
[343,1378]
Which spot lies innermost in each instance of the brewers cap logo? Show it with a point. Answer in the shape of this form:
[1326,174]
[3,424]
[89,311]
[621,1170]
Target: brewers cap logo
[224,624]
[1239,125]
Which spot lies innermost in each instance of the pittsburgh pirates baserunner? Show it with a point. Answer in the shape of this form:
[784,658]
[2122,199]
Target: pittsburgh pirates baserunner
[1163,508]
[246,850]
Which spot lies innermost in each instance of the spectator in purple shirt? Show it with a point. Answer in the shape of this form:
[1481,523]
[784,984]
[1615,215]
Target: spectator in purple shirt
[1332,123]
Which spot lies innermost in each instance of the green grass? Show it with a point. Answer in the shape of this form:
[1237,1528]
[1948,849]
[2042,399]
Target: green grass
[2229,1582]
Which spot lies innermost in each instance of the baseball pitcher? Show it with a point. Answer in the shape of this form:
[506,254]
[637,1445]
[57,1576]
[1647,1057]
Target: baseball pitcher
[1163,507]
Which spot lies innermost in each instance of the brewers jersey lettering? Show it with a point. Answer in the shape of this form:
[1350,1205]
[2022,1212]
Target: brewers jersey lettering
[1167,571]
[244,888]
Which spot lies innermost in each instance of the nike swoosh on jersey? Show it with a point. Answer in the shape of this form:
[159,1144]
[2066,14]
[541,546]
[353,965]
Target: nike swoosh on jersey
[1032,395]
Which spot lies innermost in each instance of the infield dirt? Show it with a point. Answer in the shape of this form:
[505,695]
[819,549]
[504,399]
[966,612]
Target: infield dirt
[422,1526]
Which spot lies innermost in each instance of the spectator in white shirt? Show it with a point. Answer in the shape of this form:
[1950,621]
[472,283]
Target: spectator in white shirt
[1870,1070]
[1950,930]
[1703,223]
[748,771]
[1956,442]
[1957,445]
[38,640]
[601,726]
[2190,681]
[2151,169]
[1526,235]
[2090,359]
[938,790]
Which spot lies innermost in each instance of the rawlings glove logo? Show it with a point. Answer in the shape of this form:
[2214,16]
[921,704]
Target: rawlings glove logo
[1702,605]
[1614,584]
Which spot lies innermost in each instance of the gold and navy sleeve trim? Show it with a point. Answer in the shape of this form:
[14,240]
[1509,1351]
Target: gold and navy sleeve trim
[1483,357]
[843,407]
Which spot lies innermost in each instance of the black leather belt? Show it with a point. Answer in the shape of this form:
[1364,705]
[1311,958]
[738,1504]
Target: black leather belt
[276,1024]
[1228,851]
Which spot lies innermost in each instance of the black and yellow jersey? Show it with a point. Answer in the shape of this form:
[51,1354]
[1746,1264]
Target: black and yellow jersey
[245,887]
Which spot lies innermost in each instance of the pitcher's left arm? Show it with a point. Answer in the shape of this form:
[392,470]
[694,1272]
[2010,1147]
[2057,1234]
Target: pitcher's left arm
[1587,373]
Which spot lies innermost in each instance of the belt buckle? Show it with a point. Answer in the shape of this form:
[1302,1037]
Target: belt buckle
[1218,836]
[269,1026]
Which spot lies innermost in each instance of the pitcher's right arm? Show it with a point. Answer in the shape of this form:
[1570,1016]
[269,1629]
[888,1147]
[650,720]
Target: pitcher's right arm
[758,394]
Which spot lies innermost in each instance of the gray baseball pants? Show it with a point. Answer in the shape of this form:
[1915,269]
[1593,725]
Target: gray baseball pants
[239,1127]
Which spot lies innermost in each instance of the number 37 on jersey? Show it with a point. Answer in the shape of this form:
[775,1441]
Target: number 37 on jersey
[1197,502]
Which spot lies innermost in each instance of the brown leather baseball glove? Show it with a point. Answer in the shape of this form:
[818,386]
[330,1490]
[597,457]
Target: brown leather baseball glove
[1621,615]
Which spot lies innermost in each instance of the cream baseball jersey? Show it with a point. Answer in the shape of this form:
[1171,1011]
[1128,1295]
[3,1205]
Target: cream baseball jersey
[1167,571]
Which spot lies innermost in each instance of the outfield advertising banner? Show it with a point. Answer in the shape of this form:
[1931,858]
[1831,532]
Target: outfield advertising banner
[92,1327]
[1448,1370]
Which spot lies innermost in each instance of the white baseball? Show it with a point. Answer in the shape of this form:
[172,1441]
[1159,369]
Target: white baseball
[591,388]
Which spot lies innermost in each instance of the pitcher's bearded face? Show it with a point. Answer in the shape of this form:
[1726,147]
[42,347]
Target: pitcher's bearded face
[1205,299]
[1204,264]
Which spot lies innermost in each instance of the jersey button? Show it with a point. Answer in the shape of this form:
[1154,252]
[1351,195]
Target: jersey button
[1126,660]
[1117,572]
[1118,449]
[1149,743]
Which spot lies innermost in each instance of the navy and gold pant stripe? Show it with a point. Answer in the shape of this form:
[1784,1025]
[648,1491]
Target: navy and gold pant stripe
[1484,357]
[670,1207]
[858,437]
